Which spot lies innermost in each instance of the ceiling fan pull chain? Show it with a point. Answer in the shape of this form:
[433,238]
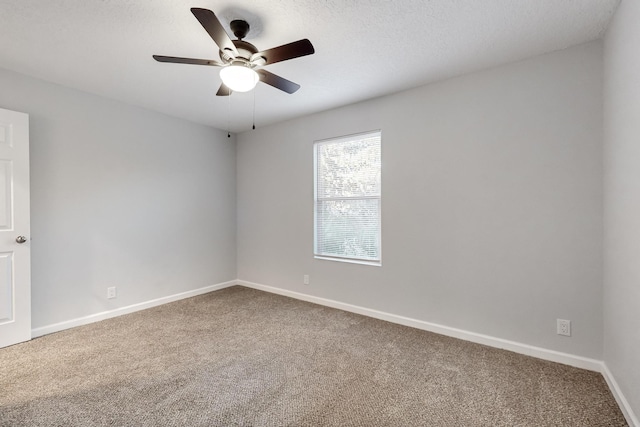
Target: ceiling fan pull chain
[229,116]
[254,110]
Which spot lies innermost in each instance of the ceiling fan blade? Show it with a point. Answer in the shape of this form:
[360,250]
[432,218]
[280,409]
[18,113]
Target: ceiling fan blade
[224,90]
[193,61]
[286,51]
[277,81]
[215,29]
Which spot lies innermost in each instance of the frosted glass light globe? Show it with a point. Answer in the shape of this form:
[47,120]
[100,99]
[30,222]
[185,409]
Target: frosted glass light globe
[239,78]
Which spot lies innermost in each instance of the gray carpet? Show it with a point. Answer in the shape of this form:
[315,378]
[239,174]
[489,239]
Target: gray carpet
[241,357]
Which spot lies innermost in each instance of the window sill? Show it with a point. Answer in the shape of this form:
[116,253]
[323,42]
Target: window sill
[350,261]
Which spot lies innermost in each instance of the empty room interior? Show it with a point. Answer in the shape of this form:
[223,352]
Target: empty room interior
[414,213]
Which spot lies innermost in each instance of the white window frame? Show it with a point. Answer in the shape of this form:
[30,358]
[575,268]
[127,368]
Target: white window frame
[339,139]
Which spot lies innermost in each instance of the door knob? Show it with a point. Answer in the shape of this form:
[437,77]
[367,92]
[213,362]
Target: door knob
[21,239]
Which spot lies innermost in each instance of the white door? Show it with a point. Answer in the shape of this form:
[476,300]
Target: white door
[15,253]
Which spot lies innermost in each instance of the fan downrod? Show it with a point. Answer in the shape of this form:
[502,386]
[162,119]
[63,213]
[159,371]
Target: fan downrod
[240,28]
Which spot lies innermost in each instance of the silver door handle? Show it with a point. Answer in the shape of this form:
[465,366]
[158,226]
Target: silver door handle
[21,239]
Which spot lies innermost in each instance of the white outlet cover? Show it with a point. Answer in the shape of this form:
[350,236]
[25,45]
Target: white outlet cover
[564,327]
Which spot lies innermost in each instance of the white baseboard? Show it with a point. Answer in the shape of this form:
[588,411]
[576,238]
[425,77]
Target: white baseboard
[623,403]
[56,327]
[529,350]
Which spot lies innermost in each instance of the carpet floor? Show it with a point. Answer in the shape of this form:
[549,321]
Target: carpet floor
[241,357]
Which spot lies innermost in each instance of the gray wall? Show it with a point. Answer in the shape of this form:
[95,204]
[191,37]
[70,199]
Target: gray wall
[622,201]
[121,196]
[491,210]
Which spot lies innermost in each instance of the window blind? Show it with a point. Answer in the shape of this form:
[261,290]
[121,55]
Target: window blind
[347,197]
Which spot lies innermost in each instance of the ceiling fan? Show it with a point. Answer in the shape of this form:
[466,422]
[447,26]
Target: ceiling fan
[241,61]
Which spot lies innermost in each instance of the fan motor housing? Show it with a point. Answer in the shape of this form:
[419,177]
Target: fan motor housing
[245,51]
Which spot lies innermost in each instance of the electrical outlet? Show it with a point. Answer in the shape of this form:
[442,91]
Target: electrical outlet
[111,292]
[564,327]
[305,279]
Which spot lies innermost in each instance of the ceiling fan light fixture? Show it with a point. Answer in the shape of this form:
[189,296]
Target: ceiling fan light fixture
[239,77]
[238,58]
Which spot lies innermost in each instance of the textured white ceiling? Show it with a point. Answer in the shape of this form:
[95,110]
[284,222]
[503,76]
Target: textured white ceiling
[364,48]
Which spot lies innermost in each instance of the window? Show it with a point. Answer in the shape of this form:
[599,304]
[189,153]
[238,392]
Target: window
[347,182]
